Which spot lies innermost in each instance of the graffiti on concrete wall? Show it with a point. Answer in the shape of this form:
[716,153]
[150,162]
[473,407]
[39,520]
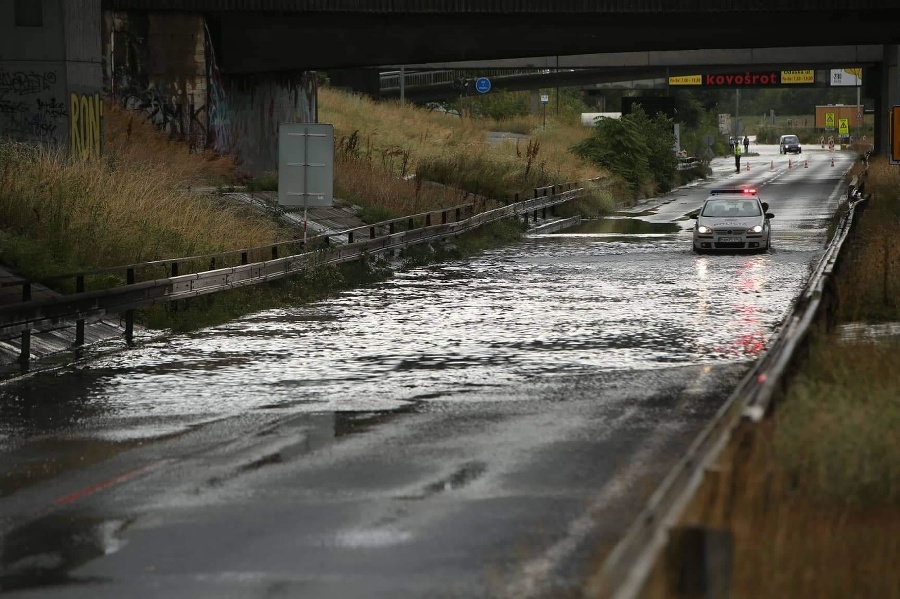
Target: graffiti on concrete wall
[29,109]
[180,120]
[155,66]
[86,118]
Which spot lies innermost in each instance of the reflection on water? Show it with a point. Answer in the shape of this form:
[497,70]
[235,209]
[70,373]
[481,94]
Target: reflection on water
[553,304]
[42,552]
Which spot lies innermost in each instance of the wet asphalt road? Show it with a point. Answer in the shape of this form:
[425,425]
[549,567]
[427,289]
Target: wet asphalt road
[477,429]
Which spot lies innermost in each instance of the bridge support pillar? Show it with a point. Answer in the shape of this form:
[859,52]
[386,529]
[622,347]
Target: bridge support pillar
[535,104]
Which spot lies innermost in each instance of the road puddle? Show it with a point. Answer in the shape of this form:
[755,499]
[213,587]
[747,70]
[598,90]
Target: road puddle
[44,551]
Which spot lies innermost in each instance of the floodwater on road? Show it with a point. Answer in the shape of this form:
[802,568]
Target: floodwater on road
[613,294]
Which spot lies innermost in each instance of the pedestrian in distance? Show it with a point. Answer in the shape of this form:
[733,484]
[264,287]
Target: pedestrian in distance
[746,144]
[737,158]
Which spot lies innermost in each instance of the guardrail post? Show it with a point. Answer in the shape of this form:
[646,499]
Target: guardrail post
[371,232]
[544,213]
[699,562]
[553,190]
[526,218]
[349,236]
[274,252]
[409,224]
[517,197]
[534,216]
[129,314]
[391,228]
[535,193]
[443,217]
[79,324]
[212,263]
[25,354]
[243,257]
[428,220]
[174,274]
[458,215]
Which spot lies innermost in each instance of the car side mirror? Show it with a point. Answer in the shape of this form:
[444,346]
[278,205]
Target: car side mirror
[769,215]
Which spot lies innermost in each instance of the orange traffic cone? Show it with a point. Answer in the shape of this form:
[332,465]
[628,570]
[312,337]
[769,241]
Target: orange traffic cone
[832,162]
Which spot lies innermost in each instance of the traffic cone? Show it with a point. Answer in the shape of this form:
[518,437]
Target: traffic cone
[748,166]
[772,166]
[789,164]
[832,162]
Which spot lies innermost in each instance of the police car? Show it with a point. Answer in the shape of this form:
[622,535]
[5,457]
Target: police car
[732,220]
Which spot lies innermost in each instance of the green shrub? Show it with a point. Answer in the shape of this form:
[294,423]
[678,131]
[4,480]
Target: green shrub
[636,147]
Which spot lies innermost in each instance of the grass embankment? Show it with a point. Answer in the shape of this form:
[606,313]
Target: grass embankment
[62,215]
[812,495]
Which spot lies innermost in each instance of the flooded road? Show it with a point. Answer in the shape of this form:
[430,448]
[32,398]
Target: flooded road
[468,429]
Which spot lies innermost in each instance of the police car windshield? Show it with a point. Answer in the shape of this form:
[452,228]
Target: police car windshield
[731,208]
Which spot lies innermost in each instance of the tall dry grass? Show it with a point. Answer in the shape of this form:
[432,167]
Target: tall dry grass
[61,214]
[129,139]
[869,285]
[406,140]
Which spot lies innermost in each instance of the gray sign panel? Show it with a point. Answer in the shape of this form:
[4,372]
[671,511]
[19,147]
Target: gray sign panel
[305,164]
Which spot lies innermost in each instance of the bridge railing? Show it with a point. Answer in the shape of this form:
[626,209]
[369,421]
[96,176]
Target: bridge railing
[390,80]
[126,294]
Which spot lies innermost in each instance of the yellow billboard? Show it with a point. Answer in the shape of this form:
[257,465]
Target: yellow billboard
[686,80]
[808,76]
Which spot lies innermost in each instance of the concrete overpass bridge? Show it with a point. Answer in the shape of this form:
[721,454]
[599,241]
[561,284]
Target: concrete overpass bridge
[222,74]
[424,82]
[578,40]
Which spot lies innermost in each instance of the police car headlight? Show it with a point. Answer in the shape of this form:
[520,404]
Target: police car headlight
[705,229]
[756,229]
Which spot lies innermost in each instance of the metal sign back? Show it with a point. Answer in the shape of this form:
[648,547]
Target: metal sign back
[305,164]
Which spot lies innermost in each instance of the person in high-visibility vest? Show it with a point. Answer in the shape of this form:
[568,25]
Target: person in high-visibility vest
[737,158]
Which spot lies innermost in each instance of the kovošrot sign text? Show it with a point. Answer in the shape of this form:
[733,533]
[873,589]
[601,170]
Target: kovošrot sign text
[746,79]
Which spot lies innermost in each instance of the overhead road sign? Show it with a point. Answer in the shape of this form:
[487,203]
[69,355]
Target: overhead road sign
[483,85]
[686,80]
[747,79]
[846,77]
[795,77]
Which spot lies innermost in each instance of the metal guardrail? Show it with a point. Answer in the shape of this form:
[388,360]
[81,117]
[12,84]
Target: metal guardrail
[685,164]
[89,305]
[627,567]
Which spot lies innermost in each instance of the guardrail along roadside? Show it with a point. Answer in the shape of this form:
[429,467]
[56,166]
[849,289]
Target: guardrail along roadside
[93,294]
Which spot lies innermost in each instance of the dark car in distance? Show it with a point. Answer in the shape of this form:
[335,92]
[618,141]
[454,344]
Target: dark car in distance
[789,144]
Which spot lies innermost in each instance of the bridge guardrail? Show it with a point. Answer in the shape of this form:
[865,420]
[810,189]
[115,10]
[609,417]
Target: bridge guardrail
[390,80]
[626,569]
[82,306]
